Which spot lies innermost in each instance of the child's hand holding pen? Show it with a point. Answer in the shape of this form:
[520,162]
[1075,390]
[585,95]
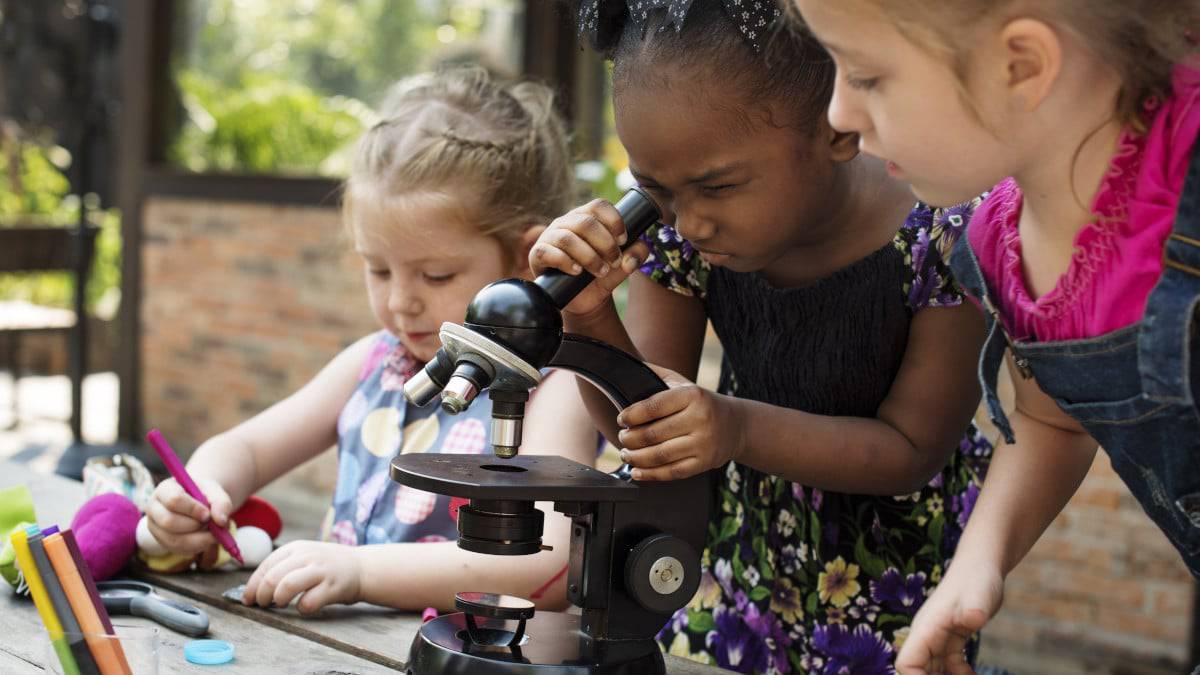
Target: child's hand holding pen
[179,522]
[680,432]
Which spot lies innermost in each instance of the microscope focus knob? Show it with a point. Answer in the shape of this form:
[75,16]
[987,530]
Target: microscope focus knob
[662,573]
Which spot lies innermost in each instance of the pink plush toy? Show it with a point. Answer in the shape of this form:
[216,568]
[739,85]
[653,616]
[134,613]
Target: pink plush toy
[105,528]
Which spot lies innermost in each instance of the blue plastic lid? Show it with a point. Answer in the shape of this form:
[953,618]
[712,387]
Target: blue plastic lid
[208,652]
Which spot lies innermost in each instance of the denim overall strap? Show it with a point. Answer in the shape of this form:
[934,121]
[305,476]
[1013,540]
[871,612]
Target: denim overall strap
[965,267]
[1163,343]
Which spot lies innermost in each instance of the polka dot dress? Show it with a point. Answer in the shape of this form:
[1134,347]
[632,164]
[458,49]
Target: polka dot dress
[375,425]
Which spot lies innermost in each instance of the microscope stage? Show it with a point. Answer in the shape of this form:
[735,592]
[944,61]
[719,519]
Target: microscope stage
[524,477]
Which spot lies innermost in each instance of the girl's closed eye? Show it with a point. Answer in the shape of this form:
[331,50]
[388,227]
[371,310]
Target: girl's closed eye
[652,188]
[723,188]
[439,278]
[861,83]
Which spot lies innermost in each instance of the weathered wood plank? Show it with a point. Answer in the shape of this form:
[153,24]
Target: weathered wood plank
[257,648]
[371,633]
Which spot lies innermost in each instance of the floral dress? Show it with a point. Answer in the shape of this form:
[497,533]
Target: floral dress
[795,579]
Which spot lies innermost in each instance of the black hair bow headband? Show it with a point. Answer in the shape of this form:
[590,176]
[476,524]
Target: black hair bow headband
[752,17]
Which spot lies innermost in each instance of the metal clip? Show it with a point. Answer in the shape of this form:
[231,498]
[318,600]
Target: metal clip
[1019,361]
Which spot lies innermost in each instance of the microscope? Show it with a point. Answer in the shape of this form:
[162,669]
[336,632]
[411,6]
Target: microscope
[635,546]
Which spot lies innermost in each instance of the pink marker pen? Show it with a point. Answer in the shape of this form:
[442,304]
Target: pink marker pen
[180,474]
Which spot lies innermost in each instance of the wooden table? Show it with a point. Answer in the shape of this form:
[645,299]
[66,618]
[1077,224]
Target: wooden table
[340,639]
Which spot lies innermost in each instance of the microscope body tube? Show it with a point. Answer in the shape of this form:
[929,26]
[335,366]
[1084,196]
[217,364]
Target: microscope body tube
[639,213]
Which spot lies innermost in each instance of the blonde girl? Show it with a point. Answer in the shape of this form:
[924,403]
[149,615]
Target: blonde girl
[447,193]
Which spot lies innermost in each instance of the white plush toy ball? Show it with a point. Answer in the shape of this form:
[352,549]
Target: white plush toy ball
[255,544]
[146,541]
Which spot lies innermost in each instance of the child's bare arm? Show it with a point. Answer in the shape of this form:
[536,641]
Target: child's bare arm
[415,576]
[232,465]
[898,451]
[1027,485]
[1028,482]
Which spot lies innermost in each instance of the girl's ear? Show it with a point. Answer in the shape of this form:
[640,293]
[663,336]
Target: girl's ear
[844,146]
[1033,59]
[521,251]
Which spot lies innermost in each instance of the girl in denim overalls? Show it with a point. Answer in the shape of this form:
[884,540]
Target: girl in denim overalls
[1086,260]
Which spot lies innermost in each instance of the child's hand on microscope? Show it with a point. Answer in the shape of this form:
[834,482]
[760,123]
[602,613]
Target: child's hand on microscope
[319,573]
[588,238]
[680,432]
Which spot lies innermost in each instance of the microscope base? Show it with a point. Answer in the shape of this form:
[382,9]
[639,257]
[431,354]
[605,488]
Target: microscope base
[553,644]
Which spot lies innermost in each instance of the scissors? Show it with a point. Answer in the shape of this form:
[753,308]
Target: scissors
[136,598]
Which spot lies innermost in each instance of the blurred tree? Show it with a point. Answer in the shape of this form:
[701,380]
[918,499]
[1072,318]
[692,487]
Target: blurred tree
[33,188]
[284,85]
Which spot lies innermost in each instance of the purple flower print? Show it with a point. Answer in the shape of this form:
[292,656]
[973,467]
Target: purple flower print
[860,652]
[735,645]
[925,280]
[817,498]
[723,571]
[877,530]
[769,629]
[900,594]
[964,503]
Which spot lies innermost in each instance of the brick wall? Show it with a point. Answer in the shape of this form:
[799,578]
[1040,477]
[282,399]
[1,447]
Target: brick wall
[242,304]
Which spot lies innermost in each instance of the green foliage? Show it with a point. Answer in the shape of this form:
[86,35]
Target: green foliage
[265,124]
[34,190]
[281,86]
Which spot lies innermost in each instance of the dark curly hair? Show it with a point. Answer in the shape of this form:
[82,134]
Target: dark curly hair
[792,69]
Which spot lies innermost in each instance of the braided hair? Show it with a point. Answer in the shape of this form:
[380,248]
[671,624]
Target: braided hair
[457,130]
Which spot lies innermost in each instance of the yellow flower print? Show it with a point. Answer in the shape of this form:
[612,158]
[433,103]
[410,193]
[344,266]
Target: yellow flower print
[835,615]
[680,646]
[936,504]
[838,583]
[708,594]
[787,602]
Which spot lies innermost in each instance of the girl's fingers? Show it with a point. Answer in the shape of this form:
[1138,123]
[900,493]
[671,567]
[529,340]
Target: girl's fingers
[168,520]
[176,500]
[607,215]
[684,468]
[544,256]
[582,250]
[630,261]
[316,597]
[261,587]
[656,433]
[662,454]
[299,579]
[656,407]
[194,542]
[602,237]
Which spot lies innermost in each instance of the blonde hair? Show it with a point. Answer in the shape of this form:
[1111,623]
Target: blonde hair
[457,131]
[1141,40]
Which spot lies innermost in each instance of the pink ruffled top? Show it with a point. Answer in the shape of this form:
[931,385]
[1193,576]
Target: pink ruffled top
[1118,257]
